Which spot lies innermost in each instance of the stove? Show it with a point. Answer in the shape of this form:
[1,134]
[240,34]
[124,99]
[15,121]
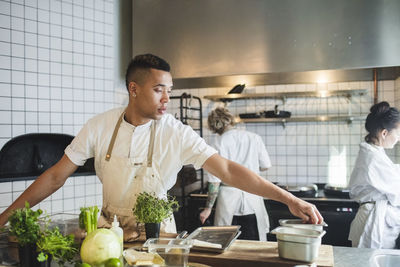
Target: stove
[334,204]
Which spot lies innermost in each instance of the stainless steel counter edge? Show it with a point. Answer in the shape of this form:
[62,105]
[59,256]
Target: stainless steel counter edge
[350,257]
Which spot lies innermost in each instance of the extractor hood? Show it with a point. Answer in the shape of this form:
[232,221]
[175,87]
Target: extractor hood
[209,39]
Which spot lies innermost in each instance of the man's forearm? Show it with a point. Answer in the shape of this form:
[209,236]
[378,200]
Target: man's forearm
[45,185]
[232,173]
[213,189]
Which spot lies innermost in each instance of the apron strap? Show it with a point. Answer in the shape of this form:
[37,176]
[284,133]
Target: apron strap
[114,136]
[151,145]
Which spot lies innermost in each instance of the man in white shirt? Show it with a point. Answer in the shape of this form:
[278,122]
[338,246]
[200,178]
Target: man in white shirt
[141,148]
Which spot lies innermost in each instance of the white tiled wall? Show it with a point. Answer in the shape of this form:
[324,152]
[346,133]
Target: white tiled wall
[305,152]
[56,71]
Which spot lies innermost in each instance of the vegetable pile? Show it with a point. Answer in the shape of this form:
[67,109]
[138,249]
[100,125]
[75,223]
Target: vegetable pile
[25,226]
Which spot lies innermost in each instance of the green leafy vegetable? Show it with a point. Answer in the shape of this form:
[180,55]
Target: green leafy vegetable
[24,225]
[62,248]
[88,218]
[150,209]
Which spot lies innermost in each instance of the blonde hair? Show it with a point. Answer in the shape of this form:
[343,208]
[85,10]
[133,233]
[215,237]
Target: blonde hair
[219,120]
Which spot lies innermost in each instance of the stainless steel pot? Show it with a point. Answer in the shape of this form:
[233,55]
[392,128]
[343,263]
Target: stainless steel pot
[297,243]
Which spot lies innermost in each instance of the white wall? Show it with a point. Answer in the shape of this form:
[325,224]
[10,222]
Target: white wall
[56,71]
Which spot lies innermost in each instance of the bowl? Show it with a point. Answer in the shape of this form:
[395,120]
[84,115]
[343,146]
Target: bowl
[298,243]
[300,224]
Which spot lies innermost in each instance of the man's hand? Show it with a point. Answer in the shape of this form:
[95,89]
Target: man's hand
[306,211]
[204,215]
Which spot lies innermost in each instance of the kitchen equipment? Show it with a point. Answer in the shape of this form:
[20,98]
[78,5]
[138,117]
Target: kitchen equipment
[337,191]
[297,243]
[208,238]
[250,115]
[337,213]
[237,89]
[300,224]
[175,252]
[29,155]
[300,190]
[276,113]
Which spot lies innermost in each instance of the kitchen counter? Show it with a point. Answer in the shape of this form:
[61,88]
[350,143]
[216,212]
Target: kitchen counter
[255,253]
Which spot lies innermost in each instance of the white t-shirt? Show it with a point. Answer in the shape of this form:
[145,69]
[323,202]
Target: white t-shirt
[175,144]
[247,149]
[243,147]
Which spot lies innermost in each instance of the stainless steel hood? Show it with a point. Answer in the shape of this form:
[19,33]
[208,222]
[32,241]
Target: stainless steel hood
[226,38]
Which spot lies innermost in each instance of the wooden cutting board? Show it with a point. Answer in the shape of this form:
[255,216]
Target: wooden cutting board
[256,253]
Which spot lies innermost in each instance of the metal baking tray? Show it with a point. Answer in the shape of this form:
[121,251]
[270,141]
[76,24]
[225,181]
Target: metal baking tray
[224,235]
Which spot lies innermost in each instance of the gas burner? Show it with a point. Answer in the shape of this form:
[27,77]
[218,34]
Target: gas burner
[337,191]
[301,190]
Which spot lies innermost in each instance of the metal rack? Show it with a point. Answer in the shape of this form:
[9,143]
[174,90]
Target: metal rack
[284,95]
[349,93]
[190,113]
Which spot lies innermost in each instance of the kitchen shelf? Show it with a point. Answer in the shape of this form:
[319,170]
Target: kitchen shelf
[348,119]
[284,95]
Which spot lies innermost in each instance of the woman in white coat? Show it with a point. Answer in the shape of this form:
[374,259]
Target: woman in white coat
[234,206]
[375,182]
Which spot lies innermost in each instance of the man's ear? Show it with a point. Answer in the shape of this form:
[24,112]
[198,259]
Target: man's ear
[132,88]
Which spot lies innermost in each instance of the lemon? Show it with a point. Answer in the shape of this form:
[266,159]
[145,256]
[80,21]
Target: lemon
[113,262]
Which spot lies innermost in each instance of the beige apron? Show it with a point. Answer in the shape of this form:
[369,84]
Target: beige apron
[123,179]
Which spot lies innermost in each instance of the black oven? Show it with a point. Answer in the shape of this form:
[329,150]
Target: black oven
[338,213]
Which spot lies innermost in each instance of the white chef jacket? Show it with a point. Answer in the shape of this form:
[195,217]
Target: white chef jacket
[247,149]
[175,144]
[375,179]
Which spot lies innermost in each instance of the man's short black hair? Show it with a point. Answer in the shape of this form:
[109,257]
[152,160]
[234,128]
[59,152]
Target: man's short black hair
[144,62]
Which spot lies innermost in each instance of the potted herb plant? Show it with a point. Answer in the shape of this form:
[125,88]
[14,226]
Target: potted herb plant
[24,225]
[151,210]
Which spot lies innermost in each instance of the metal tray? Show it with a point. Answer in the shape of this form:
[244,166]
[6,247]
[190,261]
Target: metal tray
[224,235]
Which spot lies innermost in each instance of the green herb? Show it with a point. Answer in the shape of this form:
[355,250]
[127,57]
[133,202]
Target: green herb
[62,248]
[150,209]
[24,225]
[88,218]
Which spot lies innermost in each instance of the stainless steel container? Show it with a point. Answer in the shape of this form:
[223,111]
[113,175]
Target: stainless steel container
[300,224]
[298,243]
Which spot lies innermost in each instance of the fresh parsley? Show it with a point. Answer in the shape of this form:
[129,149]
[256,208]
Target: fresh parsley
[151,209]
[24,225]
[61,248]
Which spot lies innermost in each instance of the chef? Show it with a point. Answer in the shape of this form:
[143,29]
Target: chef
[141,148]
[234,206]
[375,182]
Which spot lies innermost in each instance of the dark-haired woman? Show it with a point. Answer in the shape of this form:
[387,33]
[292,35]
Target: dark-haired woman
[375,182]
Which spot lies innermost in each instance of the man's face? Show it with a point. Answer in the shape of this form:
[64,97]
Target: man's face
[152,94]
